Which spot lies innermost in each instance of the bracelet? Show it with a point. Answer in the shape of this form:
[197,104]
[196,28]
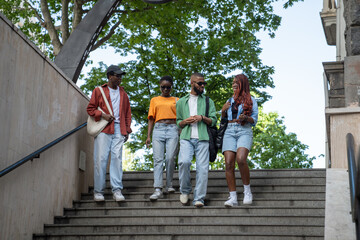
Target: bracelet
[202,117]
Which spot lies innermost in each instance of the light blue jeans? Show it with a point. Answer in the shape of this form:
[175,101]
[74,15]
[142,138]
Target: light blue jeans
[187,150]
[164,137]
[104,145]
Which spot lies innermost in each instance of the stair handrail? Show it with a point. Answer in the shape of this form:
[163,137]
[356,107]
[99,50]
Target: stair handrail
[36,154]
[354,183]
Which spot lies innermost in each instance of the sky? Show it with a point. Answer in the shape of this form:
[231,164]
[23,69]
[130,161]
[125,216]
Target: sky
[297,53]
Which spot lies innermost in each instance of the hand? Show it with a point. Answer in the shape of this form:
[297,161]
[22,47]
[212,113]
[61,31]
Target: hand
[226,107]
[243,118]
[147,142]
[126,137]
[189,120]
[108,117]
[198,118]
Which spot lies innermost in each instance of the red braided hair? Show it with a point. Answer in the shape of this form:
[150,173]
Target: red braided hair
[242,93]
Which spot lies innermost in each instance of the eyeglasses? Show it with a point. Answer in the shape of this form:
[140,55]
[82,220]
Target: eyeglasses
[167,87]
[201,83]
[118,75]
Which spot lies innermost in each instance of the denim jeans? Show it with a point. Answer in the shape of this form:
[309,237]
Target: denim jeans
[187,150]
[237,136]
[104,145]
[164,137]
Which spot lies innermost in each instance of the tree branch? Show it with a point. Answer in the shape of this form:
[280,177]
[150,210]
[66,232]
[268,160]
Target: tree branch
[65,20]
[112,30]
[39,18]
[77,13]
[49,25]
[107,37]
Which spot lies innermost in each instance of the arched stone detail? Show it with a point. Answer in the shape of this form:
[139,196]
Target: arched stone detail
[75,51]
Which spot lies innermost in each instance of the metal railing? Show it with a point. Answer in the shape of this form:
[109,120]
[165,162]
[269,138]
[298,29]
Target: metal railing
[36,154]
[353,182]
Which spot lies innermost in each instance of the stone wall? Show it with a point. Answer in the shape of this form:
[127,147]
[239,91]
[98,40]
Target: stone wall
[38,104]
[352,31]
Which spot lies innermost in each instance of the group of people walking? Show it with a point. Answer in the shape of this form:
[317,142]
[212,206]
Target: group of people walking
[172,120]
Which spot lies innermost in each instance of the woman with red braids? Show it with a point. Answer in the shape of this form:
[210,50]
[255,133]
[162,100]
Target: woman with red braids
[241,111]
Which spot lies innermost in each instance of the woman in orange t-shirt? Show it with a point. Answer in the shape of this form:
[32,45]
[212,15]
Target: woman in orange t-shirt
[165,137]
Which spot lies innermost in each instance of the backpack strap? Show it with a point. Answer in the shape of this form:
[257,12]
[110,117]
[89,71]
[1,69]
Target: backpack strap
[207,106]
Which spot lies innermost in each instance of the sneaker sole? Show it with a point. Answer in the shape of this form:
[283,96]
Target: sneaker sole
[228,205]
[199,205]
[120,200]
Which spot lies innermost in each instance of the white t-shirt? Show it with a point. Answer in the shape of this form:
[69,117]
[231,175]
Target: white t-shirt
[115,100]
[193,111]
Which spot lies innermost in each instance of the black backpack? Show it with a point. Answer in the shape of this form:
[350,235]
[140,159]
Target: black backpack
[212,131]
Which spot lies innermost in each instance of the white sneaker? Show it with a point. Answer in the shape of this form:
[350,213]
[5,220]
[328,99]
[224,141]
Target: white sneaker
[247,198]
[198,204]
[231,202]
[184,198]
[170,190]
[118,196]
[98,197]
[156,195]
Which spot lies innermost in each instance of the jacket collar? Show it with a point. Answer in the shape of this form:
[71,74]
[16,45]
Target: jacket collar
[105,85]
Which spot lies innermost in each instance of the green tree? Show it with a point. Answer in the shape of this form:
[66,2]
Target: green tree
[274,148]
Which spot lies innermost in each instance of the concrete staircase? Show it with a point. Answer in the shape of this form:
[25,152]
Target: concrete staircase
[288,204]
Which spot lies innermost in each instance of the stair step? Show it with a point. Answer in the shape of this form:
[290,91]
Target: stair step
[222,181]
[224,189]
[192,227]
[151,211]
[318,202]
[176,236]
[212,195]
[243,219]
[269,173]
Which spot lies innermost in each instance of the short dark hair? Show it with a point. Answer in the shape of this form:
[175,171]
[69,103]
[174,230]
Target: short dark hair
[166,78]
[196,74]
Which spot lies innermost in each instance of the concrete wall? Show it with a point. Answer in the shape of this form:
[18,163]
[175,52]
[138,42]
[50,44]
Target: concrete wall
[342,122]
[338,219]
[38,104]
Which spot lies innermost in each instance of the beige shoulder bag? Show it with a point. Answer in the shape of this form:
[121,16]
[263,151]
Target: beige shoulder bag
[93,127]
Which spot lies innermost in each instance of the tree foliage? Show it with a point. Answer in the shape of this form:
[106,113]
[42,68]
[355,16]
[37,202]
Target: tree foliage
[216,38]
[274,148]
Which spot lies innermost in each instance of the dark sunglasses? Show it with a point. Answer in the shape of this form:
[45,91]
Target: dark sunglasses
[201,83]
[118,75]
[167,87]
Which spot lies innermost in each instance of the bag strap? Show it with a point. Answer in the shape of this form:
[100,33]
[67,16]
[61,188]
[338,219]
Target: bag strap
[105,99]
[230,106]
[207,106]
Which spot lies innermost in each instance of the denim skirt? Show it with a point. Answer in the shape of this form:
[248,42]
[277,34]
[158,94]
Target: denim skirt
[237,136]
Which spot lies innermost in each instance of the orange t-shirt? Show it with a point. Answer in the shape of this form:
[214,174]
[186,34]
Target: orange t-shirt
[163,108]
